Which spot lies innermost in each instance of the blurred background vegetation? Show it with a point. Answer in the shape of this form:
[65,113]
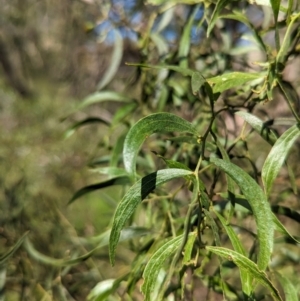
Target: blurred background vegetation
[52,55]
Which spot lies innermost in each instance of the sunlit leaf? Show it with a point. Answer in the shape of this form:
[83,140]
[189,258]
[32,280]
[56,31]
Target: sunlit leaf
[230,80]
[102,96]
[102,290]
[111,171]
[248,266]
[260,2]
[160,43]
[154,123]
[277,156]
[258,126]
[90,188]
[134,196]
[115,60]
[188,250]
[286,43]
[126,234]
[275,4]
[9,253]
[155,263]
[260,208]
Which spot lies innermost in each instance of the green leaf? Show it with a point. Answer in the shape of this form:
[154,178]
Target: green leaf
[126,234]
[155,264]
[197,82]
[282,229]
[154,123]
[185,40]
[236,243]
[248,266]
[103,96]
[111,171]
[218,8]
[102,241]
[188,250]
[286,43]
[239,16]
[116,154]
[230,80]
[11,252]
[290,291]
[115,61]
[87,121]
[260,208]
[183,71]
[172,163]
[123,112]
[87,189]
[277,156]
[258,126]
[275,4]
[134,196]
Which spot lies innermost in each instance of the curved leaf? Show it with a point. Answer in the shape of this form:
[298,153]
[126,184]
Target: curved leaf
[87,121]
[218,8]
[277,156]
[155,264]
[154,123]
[290,291]
[87,189]
[103,96]
[248,266]
[260,207]
[258,126]
[101,241]
[114,62]
[134,196]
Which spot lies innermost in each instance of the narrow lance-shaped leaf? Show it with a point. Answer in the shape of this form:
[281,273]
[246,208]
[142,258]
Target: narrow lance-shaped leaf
[87,121]
[260,207]
[185,41]
[119,180]
[155,263]
[290,291]
[246,278]
[101,241]
[114,62]
[277,156]
[9,253]
[134,196]
[102,96]
[259,126]
[218,8]
[248,266]
[154,123]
